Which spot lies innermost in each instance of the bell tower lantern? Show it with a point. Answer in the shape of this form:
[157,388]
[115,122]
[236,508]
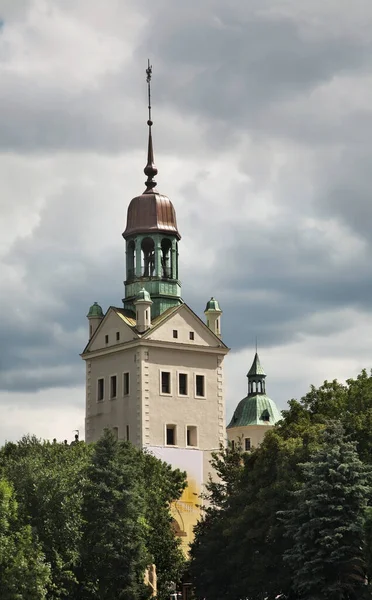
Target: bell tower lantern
[151,237]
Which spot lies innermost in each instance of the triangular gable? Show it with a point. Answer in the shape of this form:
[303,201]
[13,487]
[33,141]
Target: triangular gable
[183,320]
[116,321]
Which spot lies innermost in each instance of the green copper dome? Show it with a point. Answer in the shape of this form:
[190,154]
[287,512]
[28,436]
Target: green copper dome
[212,304]
[255,410]
[143,295]
[95,310]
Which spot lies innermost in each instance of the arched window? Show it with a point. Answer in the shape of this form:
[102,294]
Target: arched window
[131,259]
[148,257]
[166,258]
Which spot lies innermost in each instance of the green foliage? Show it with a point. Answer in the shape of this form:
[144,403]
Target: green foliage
[162,486]
[24,574]
[68,498]
[49,481]
[113,552]
[326,526]
[240,545]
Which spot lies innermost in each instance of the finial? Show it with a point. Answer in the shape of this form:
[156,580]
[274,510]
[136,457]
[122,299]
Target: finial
[150,170]
[256,344]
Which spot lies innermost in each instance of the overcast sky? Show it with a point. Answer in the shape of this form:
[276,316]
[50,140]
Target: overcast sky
[262,134]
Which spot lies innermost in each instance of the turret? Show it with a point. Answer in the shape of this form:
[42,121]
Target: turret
[151,240]
[143,305]
[95,316]
[213,314]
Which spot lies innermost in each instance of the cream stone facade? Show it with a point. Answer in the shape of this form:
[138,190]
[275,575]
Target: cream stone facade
[140,385]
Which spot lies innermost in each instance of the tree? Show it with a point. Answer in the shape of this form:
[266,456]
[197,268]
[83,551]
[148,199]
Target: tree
[48,481]
[24,574]
[113,551]
[212,566]
[162,485]
[327,524]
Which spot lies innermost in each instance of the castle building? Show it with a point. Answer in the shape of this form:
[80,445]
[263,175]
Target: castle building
[255,414]
[154,369]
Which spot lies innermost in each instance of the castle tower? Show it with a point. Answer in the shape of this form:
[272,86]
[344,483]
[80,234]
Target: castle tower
[256,413]
[154,369]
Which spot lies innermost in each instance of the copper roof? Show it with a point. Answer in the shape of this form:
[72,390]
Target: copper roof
[149,213]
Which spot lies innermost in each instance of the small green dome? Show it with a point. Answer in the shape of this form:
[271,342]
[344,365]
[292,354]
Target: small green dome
[143,295]
[95,310]
[255,410]
[212,304]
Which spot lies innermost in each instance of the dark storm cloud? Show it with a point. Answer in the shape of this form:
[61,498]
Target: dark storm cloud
[234,66]
[239,71]
[235,61]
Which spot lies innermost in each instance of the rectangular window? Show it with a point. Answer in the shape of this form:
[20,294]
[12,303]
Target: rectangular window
[191,436]
[106,339]
[247,444]
[199,385]
[182,384]
[171,435]
[125,384]
[113,386]
[117,336]
[165,383]
[232,445]
[175,333]
[191,335]
[100,389]
[127,433]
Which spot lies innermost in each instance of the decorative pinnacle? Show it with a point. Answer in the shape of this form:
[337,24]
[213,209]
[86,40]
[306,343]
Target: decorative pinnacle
[150,170]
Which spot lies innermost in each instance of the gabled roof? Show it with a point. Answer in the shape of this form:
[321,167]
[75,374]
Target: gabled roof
[158,321]
[123,314]
[127,317]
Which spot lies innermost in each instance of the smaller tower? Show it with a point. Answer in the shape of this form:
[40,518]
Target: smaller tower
[255,414]
[95,316]
[213,314]
[143,305]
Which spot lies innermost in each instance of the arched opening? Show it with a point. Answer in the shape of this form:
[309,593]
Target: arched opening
[148,257]
[176,275]
[178,531]
[131,259]
[166,266]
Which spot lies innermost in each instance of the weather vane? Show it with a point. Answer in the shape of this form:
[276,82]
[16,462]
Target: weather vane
[148,81]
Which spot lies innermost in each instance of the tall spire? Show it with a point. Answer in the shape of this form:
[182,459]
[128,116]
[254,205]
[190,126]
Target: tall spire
[150,170]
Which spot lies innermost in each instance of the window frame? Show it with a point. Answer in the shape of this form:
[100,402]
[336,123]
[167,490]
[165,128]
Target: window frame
[179,373]
[116,386]
[172,426]
[161,383]
[124,386]
[192,429]
[118,336]
[247,442]
[107,339]
[98,388]
[175,334]
[192,336]
[196,375]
